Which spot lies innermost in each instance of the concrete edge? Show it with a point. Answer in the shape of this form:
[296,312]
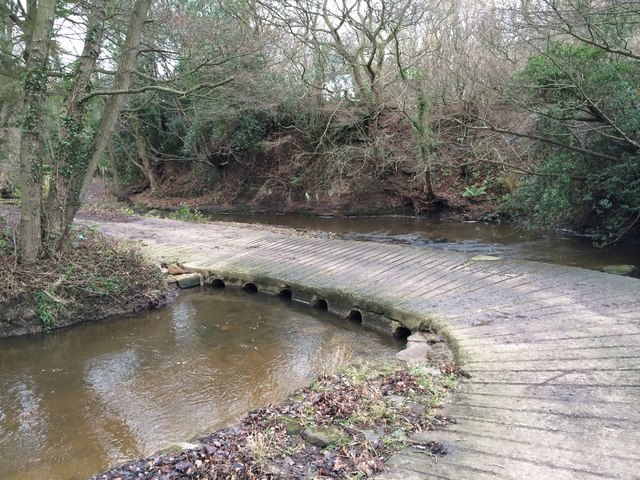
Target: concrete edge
[386,319]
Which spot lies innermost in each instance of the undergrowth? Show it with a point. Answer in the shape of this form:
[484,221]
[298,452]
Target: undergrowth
[91,277]
[187,214]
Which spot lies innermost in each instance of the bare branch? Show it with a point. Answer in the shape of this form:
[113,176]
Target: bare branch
[157,88]
[585,151]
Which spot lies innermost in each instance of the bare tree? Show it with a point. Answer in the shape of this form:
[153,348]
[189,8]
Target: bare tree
[362,34]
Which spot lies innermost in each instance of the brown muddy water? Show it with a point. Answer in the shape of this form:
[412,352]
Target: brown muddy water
[504,239]
[76,401]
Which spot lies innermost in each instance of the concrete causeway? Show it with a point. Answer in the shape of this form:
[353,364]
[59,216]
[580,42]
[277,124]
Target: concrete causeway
[554,352]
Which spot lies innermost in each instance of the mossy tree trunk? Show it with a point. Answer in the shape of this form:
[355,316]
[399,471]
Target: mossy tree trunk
[71,161]
[31,142]
[425,144]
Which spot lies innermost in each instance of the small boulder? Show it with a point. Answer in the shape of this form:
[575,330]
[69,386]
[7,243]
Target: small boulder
[293,428]
[189,280]
[322,436]
[624,270]
[425,348]
[396,400]
[417,408]
[373,435]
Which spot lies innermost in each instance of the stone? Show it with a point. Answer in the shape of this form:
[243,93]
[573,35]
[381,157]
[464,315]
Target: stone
[415,355]
[373,435]
[441,240]
[624,270]
[321,436]
[397,400]
[189,280]
[423,348]
[171,279]
[417,408]
[293,428]
[417,337]
[175,269]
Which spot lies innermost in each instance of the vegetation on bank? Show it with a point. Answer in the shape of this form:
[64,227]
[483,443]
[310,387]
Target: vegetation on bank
[93,276]
[416,106]
[344,425]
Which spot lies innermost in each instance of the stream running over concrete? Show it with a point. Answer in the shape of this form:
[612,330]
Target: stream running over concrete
[76,401]
[499,239]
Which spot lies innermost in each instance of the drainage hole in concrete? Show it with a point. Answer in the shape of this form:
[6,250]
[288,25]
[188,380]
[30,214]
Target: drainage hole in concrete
[217,283]
[319,303]
[250,287]
[401,332]
[355,315]
[285,294]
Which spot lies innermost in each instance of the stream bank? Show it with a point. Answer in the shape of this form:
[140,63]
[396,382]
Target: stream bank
[94,277]
[346,424]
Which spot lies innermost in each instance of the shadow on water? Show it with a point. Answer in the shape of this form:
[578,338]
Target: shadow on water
[76,401]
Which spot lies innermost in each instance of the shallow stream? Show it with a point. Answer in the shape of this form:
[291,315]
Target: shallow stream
[76,401]
[504,240]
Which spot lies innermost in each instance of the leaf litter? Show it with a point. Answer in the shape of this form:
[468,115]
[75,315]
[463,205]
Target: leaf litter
[375,408]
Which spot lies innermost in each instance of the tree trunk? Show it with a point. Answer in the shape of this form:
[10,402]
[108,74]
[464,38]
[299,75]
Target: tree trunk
[428,184]
[143,155]
[316,90]
[31,143]
[426,145]
[115,176]
[71,158]
[114,103]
